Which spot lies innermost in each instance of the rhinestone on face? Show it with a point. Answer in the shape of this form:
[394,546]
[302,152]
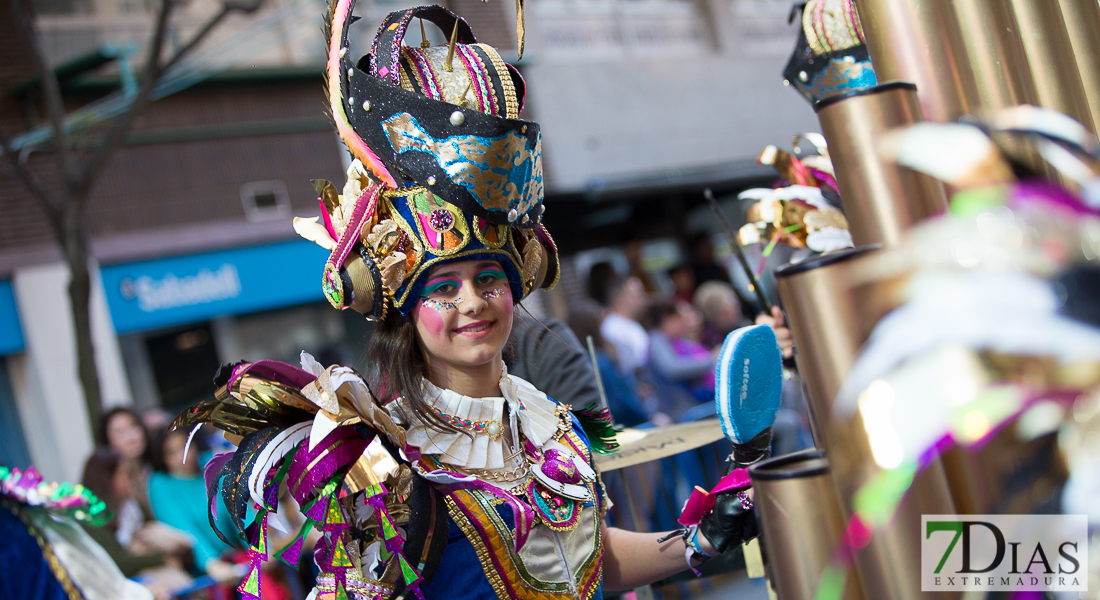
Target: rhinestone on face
[441,220]
[457,118]
[366,105]
[512,215]
[431,179]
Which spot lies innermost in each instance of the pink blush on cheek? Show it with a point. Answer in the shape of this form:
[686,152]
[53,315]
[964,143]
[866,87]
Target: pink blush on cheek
[430,318]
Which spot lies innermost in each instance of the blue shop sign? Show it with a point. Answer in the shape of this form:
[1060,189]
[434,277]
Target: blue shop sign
[185,289]
[11,332]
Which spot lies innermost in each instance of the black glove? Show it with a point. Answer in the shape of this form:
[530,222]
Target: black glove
[731,523]
[752,451]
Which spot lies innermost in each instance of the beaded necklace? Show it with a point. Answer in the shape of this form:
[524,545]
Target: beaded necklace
[491,428]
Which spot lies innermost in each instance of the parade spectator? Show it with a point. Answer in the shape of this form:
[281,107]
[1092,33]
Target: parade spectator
[601,277]
[703,265]
[156,420]
[177,493]
[721,310]
[547,353]
[124,432]
[683,283]
[632,250]
[674,354]
[619,387]
[621,328]
[156,555]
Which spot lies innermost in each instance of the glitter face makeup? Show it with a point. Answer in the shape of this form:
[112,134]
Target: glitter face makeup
[441,305]
[464,317]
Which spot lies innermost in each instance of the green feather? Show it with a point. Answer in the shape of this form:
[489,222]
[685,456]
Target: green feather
[597,425]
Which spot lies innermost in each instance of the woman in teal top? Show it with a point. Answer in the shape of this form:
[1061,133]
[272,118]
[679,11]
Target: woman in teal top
[177,493]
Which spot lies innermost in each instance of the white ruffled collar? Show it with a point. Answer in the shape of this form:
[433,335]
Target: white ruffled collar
[530,409]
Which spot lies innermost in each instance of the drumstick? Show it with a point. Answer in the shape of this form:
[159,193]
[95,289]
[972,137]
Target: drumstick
[760,297]
[599,380]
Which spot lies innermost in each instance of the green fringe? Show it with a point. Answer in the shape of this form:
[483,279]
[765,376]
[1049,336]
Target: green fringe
[597,425]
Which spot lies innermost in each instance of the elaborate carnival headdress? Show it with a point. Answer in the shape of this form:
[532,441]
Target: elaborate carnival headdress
[801,210]
[443,168]
[830,57]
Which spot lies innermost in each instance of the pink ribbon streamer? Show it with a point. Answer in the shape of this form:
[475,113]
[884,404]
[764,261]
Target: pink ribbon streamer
[700,503]
[303,477]
[274,370]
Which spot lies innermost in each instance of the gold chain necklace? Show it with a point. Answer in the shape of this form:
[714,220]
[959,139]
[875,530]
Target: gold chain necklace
[498,475]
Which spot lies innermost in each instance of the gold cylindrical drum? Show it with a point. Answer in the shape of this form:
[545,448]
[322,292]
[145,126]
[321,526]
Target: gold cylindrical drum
[825,317]
[1082,18]
[824,320]
[801,522]
[881,200]
[996,53]
[1051,60]
[921,42]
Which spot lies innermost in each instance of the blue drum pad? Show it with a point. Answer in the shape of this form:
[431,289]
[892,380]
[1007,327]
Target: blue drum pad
[748,382]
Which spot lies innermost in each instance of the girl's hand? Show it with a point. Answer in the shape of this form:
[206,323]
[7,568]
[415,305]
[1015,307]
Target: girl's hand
[783,335]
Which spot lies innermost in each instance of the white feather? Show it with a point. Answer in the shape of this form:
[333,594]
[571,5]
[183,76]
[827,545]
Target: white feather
[313,231]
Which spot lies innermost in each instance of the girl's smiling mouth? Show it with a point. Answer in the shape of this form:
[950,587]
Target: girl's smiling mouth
[475,329]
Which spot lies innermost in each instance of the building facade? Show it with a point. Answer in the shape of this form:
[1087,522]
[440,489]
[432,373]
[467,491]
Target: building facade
[195,259]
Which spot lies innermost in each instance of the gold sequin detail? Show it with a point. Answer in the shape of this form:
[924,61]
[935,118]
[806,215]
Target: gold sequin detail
[511,104]
[828,25]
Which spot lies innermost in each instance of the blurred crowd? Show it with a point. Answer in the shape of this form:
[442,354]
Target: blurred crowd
[161,534]
[656,347]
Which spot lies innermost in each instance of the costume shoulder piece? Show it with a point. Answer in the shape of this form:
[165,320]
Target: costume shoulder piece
[444,168]
[46,552]
[321,433]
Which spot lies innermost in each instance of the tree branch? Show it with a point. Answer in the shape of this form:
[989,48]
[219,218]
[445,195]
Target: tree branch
[23,14]
[19,170]
[207,28]
[119,129]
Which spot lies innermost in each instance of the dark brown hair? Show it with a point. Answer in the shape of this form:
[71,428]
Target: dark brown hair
[398,368]
[160,439]
[99,474]
[101,431]
[658,310]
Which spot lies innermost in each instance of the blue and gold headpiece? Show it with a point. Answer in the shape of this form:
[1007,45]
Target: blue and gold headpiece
[444,169]
[831,56]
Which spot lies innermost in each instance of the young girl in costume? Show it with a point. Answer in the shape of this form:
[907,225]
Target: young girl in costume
[438,475]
